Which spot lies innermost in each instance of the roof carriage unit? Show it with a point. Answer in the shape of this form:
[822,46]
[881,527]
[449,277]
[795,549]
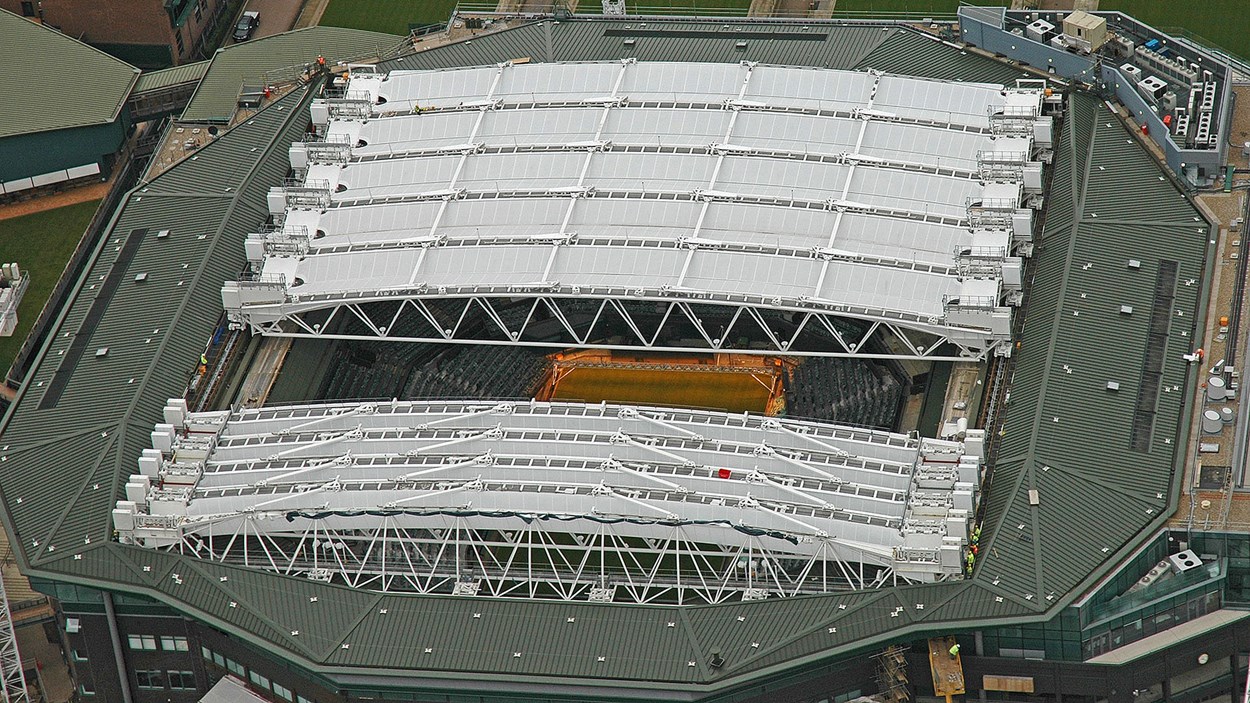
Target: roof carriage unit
[554,500]
[649,205]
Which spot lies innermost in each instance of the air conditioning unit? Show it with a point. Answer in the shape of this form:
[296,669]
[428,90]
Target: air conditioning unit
[1184,561]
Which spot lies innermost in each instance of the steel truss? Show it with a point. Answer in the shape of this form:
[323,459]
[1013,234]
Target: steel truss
[513,316]
[11,674]
[532,559]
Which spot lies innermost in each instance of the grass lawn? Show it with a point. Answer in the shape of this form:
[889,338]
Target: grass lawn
[1221,22]
[686,7]
[937,7]
[387,16]
[41,244]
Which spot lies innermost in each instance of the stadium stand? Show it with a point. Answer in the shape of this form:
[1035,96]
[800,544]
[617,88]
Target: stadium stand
[846,390]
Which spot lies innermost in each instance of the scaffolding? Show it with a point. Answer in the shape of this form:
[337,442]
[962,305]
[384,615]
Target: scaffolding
[892,685]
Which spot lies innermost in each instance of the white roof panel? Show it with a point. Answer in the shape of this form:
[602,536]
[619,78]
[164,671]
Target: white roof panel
[635,162]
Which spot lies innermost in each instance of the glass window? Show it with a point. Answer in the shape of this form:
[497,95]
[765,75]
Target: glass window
[218,659]
[206,653]
[301,699]
[182,680]
[150,679]
[28,9]
[142,642]
[84,689]
[78,656]
[236,668]
[283,692]
[173,644]
[259,680]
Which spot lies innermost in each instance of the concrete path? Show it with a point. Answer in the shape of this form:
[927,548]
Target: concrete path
[276,16]
[73,196]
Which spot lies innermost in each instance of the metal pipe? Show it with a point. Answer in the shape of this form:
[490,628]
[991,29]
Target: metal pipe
[122,676]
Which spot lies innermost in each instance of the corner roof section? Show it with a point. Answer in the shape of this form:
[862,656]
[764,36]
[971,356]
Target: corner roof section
[216,97]
[174,75]
[64,466]
[88,86]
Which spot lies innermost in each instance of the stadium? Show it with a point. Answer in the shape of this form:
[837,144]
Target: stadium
[603,358]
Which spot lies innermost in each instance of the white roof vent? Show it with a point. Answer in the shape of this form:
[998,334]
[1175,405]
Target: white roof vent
[1126,309]
[1113,386]
[1134,264]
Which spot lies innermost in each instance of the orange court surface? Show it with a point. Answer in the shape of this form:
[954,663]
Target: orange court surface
[732,382]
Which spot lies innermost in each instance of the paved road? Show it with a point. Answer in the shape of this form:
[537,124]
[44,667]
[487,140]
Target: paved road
[276,16]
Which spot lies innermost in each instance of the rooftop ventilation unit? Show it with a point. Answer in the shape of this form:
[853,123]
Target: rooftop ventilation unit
[1184,561]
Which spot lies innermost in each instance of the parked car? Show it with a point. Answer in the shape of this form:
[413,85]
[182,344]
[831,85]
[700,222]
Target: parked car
[247,24]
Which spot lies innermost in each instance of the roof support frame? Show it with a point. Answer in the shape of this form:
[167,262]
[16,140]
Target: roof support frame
[898,337]
[531,561]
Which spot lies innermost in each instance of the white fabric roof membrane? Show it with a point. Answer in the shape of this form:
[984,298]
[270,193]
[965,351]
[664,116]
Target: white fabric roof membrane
[837,187]
[646,464]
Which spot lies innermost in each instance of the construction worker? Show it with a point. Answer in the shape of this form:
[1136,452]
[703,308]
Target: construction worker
[203,360]
[954,650]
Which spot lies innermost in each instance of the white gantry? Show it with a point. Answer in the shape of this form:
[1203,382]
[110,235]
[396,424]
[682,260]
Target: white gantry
[637,205]
[554,500]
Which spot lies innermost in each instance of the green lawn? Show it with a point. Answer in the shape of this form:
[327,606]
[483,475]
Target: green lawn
[41,244]
[390,16]
[1221,22]
[717,8]
[937,7]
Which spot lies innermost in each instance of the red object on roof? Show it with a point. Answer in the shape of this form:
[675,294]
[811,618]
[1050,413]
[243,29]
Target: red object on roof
[724,473]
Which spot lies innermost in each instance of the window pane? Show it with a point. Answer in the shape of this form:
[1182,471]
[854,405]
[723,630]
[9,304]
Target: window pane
[282,692]
[150,679]
[236,668]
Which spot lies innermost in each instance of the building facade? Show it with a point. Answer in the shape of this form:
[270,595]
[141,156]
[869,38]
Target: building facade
[145,33]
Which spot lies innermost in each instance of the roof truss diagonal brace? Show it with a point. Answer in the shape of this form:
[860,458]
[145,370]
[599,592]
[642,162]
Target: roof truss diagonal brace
[921,337]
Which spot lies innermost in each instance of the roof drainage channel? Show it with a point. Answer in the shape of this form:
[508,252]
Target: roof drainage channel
[60,379]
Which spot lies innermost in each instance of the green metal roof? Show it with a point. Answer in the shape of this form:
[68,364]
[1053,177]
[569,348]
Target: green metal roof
[176,75]
[72,84]
[1066,435]
[216,98]
[887,48]
[64,463]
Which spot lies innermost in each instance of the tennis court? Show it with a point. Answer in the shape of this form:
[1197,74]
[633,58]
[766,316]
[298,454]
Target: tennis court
[724,390]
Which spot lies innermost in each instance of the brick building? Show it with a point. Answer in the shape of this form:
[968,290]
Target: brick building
[145,33]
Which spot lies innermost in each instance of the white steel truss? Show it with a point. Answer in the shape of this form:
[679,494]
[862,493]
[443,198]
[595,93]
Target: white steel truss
[534,558]
[591,319]
[14,679]
[552,500]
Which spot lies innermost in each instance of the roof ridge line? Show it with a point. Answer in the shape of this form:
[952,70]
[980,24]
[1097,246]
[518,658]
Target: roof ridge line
[347,631]
[222,585]
[869,599]
[71,504]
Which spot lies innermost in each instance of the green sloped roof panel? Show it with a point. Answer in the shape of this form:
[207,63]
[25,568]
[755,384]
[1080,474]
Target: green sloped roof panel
[76,85]
[218,92]
[167,77]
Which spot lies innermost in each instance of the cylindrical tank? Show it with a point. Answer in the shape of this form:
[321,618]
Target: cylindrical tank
[1217,389]
[1212,423]
[1226,415]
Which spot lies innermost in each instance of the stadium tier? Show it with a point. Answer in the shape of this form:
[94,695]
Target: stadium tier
[703,207]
